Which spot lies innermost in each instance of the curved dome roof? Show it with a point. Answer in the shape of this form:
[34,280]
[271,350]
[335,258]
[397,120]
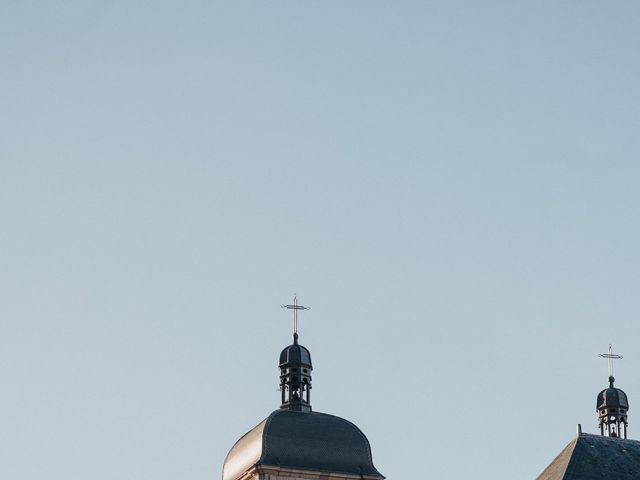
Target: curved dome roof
[612,397]
[295,354]
[302,440]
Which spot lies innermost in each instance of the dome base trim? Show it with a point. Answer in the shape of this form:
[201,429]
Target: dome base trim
[272,472]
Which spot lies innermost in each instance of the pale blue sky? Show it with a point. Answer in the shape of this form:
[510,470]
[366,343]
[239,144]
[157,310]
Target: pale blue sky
[452,187]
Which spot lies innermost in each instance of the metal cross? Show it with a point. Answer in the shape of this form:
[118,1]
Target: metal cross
[295,307]
[611,357]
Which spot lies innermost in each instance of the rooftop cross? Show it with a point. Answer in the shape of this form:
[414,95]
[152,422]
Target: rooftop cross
[611,357]
[295,307]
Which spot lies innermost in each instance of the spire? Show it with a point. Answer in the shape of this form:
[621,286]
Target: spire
[612,404]
[295,369]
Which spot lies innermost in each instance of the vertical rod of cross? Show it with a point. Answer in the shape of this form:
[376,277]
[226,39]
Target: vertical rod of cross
[610,361]
[610,356]
[295,307]
[295,314]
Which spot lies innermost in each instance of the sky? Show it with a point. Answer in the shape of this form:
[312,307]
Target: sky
[452,187]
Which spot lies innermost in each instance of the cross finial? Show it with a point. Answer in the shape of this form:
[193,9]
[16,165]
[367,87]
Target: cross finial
[295,307]
[611,357]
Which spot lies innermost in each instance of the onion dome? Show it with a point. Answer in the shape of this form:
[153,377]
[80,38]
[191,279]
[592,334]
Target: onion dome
[612,397]
[295,354]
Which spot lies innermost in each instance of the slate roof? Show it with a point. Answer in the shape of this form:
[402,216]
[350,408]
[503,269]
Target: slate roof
[612,397]
[302,440]
[295,354]
[591,457]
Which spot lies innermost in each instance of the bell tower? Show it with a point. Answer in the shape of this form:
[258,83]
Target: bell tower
[608,455]
[295,369]
[612,405]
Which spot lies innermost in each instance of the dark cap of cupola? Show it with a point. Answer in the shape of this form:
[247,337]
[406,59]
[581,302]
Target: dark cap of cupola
[295,355]
[612,397]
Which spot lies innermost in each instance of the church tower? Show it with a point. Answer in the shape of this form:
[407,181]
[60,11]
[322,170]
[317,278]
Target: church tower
[607,456]
[296,443]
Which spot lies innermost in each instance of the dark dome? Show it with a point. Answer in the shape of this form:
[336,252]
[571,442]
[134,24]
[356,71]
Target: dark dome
[295,354]
[302,440]
[612,397]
